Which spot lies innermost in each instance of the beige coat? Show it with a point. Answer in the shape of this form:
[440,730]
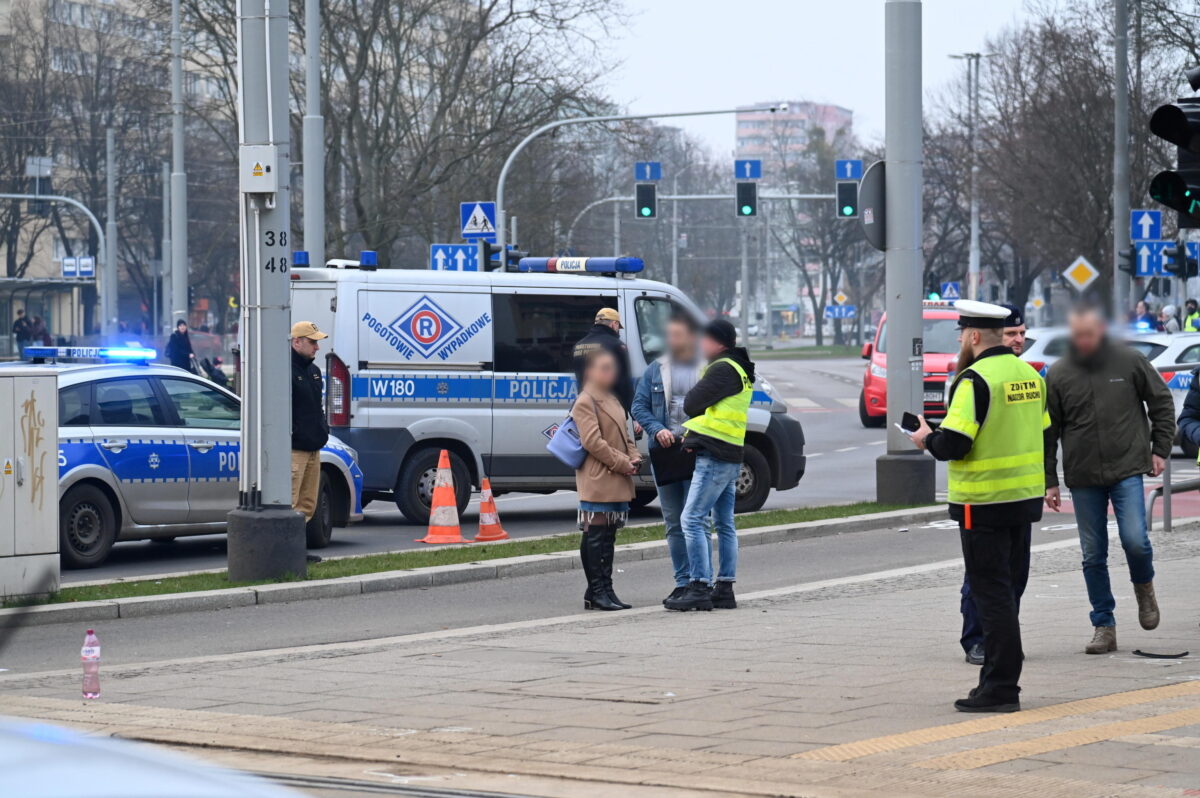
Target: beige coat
[609,446]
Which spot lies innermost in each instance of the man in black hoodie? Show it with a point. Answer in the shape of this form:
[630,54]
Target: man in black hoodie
[310,430]
[606,334]
[716,430]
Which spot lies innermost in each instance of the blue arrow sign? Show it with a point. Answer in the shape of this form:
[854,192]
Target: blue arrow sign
[478,220]
[454,257]
[1145,225]
[951,290]
[847,169]
[1148,258]
[841,311]
[647,170]
[747,169]
[1193,249]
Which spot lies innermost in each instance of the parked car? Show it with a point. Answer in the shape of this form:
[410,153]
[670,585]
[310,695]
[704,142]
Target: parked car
[940,334]
[1045,345]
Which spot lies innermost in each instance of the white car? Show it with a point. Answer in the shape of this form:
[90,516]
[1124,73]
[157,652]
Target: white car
[1045,345]
[1168,349]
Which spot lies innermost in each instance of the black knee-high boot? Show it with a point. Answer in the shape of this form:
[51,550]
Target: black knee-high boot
[596,597]
[610,543]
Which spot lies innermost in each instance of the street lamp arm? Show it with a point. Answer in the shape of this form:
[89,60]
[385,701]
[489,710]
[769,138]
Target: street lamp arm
[585,209]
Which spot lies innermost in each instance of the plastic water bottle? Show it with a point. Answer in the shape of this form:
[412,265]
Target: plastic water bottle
[90,654]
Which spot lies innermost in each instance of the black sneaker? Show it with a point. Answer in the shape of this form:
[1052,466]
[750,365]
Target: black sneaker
[696,596]
[975,655]
[676,593]
[722,596]
[984,703]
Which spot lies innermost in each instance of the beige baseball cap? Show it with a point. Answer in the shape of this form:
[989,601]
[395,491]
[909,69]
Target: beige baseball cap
[306,329]
[608,314]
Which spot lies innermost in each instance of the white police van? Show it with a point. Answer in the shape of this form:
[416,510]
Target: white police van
[151,452]
[481,364]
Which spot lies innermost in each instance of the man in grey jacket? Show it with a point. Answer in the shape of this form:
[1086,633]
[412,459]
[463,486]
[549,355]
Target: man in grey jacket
[1099,398]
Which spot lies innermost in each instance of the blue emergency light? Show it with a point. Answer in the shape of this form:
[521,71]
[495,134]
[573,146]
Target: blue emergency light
[368,260]
[300,258]
[582,265]
[114,353]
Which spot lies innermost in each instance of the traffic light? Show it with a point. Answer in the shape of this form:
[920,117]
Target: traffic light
[489,257]
[646,200]
[1177,263]
[1180,189]
[747,200]
[847,199]
[1127,260]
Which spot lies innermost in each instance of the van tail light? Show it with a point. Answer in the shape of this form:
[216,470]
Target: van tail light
[337,392]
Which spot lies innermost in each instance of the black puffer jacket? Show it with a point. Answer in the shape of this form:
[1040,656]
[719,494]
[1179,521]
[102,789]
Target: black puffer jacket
[310,430]
[604,337]
[720,380]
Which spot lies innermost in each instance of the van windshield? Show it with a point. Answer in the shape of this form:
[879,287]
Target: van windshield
[940,336]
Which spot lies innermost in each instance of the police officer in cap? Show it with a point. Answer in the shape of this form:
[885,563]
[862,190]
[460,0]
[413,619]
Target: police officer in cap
[606,334]
[972,628]
[991,439]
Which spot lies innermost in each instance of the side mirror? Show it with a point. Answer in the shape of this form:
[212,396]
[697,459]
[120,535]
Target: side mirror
[867,349]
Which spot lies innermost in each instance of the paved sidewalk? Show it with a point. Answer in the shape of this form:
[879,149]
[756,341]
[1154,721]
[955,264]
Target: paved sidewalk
[829,689]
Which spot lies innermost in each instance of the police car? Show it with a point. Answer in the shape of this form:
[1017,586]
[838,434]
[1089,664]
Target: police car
[151,452]
[480,364]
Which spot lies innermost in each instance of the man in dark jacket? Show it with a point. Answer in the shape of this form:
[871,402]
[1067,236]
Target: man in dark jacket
[179,348]
[606,334]
[1099,396]
[22,330]
[716,429]
[310,430]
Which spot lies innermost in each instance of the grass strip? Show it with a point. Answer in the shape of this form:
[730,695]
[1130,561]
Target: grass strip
[424,558]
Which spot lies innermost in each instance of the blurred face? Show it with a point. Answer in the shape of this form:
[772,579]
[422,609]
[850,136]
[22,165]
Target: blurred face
[1087,332]
[1014,338]
[1141,308]
[710,348]
[601,373]
[306,347]
[181,327]
[681,341]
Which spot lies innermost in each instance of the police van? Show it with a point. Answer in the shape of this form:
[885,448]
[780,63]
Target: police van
[481,364]
[152,452]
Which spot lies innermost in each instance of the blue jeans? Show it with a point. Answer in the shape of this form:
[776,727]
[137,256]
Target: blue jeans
[1091,513]
[713,490]
[672,499]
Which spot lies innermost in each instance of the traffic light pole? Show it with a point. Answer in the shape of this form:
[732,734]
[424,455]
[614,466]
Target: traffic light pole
[1121,283]
[179,226]
[314,137]
[616,230]
[903,475]
[108,323]
[744,312]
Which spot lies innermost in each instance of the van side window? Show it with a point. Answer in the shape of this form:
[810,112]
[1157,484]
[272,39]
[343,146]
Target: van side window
[653,313]
[537,332]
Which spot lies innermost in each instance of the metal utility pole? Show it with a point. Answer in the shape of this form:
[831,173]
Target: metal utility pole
[769,273]
[314,137]
[1121,284]
[744,312]
[179,232]
[108,324]
[675,234]
[616,229]
[266,536]
[904,475]
[165,267]
[973,274]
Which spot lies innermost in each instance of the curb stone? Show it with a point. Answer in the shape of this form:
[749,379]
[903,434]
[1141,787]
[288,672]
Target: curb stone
[435,576]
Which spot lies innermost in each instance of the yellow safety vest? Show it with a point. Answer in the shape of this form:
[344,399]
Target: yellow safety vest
[1005,463]
[726,420]
[1192,323]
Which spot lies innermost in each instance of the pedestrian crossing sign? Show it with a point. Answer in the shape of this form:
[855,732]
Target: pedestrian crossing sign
[951,290]
[478,220]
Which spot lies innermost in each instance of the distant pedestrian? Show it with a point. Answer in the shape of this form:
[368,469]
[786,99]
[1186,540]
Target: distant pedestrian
[658,407]
[606,334]
[1116,420]
[22,330]
[310,430]
[717,408]
[605,480]
[992,438]
[1166,319]
[179,348]
[1142,320]
[39,333]
[218,373]
[972,628]
[1191,316]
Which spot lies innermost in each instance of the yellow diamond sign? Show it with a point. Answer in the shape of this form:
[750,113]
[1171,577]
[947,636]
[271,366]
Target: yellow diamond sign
[840,298]
[1037,303]
[1081,273]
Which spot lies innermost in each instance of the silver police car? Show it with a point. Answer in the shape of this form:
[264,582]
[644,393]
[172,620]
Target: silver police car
[151,452]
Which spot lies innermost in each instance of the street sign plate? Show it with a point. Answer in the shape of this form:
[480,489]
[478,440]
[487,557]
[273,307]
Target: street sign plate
[840,311]
[848,169]
[1148,258]
[1081,273]
[951,290]
[454,257]
[478,220]
[647,170]
[1145,225]
[70,267]
[840,297]
[747,169]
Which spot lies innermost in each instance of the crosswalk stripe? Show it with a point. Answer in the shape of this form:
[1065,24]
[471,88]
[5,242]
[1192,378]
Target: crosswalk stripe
[801,402]
[849,402]
[935,734]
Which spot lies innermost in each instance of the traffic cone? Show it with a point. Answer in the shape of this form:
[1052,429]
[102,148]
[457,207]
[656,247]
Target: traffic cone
[489,520]
[443,512]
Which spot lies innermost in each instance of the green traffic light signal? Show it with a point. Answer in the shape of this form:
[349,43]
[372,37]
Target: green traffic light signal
[646,198]
[646,211]
[747,210]
[847,210]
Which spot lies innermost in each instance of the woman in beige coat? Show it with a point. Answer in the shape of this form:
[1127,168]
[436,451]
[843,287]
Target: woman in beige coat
[605,481]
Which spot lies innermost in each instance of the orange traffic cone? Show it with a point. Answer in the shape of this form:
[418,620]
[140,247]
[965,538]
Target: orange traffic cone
[443,512]
[489,520]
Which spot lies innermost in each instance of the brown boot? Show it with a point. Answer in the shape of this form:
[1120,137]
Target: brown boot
[1147,605]
[1103,641]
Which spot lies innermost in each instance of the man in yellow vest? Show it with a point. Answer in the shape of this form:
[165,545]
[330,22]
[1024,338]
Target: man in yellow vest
[1191,316]
[992,440]
[716,430]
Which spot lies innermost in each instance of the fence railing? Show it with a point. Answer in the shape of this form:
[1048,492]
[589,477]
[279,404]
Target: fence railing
[1179,379]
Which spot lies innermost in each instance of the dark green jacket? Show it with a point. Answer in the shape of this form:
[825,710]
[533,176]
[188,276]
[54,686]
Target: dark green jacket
[1111,412]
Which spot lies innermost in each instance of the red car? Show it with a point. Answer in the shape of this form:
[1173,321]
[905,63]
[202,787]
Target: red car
[940,321]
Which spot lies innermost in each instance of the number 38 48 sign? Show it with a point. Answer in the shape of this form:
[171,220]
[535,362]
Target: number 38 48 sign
[276,263]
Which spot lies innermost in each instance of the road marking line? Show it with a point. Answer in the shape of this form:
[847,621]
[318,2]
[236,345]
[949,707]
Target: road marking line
[849,402]
[848,449]
[816,454]
[936,734]
[800,402]
[982,757]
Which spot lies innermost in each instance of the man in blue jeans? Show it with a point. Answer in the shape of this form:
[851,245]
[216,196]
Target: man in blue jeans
[658,407]
[1115,418]
[716,431]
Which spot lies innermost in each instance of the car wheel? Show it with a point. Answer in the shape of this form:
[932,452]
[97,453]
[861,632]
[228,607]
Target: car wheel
[753,481]
[643,498]
[319,529]
[87,527]
[866,418]
[414,488]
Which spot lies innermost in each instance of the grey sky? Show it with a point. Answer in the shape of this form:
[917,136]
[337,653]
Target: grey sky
[685,54]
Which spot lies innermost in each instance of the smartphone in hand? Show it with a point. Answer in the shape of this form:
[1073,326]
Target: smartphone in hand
[910,423]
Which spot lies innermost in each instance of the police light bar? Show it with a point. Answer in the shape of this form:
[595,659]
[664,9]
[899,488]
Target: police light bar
[582,265]
[938,304]
[124,353]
